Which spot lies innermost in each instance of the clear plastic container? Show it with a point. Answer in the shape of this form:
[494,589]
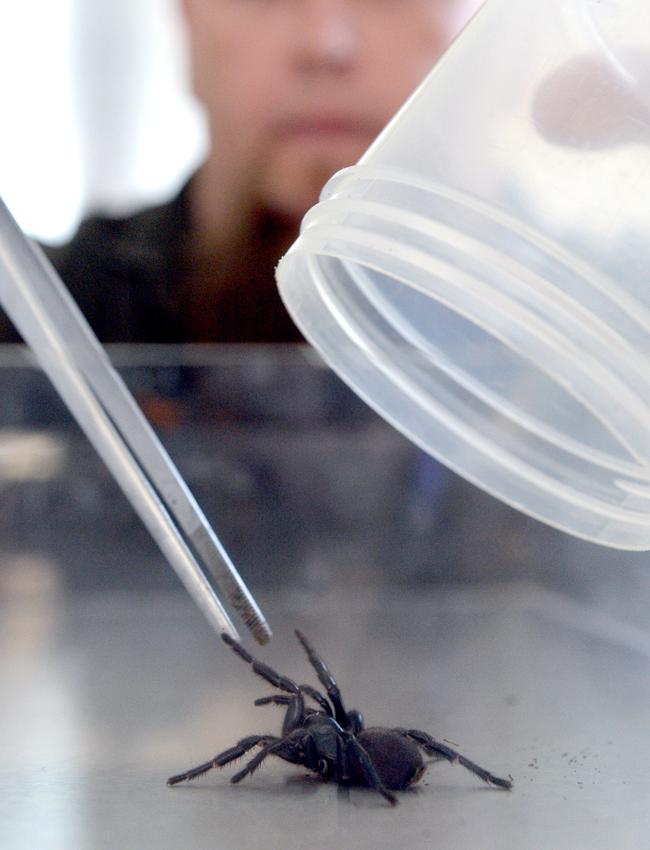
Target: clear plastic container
[482,276]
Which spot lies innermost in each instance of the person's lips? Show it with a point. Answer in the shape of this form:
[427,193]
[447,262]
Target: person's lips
[332,126]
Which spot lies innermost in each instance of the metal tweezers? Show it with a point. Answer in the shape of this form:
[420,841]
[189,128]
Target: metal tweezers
[46,316]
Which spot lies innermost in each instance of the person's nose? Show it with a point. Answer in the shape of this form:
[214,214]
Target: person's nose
[329,37]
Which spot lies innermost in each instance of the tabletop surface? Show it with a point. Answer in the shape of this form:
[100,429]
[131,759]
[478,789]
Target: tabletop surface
[435,607]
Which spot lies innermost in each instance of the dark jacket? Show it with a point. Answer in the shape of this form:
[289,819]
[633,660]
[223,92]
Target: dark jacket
[128,274]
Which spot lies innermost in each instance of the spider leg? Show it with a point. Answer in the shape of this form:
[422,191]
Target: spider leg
[274,699]
[328,681]
[287,748]
[232,753]
[437,748]
[353,749]
[284,683]
[317,697]
[295,714]
[280,699]
[344,769]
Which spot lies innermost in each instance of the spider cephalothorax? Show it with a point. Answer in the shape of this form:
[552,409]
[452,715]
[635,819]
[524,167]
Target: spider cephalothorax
[332,741]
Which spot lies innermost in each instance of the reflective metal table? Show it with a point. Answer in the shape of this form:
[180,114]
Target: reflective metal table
[435,606]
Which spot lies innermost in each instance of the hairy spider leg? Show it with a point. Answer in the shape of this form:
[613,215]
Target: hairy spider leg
[284,683]
[232,753]
[294,715]
[317,697]
[274,699]
[346,719]
[437,748]
[287,748]
[280,699]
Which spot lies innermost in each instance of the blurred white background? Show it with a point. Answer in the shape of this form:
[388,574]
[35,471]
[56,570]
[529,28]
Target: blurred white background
[97,109]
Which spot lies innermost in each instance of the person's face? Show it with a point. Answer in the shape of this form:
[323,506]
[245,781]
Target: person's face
[297,89]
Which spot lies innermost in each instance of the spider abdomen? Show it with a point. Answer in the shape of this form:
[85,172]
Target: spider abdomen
[396,759]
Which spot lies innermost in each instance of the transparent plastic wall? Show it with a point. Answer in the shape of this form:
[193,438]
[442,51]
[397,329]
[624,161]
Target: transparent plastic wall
[481,277]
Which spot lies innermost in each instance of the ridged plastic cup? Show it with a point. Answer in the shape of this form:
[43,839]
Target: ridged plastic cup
[482,276]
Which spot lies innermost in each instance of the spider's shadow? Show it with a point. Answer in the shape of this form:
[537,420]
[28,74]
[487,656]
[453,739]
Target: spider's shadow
[298,787]
[366,798]
[295,786]
[357,795]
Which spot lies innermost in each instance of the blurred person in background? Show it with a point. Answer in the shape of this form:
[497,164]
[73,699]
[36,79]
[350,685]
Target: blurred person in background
[293,90]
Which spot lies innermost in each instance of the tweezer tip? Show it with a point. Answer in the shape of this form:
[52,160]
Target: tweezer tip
[259,628]
[260,631]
